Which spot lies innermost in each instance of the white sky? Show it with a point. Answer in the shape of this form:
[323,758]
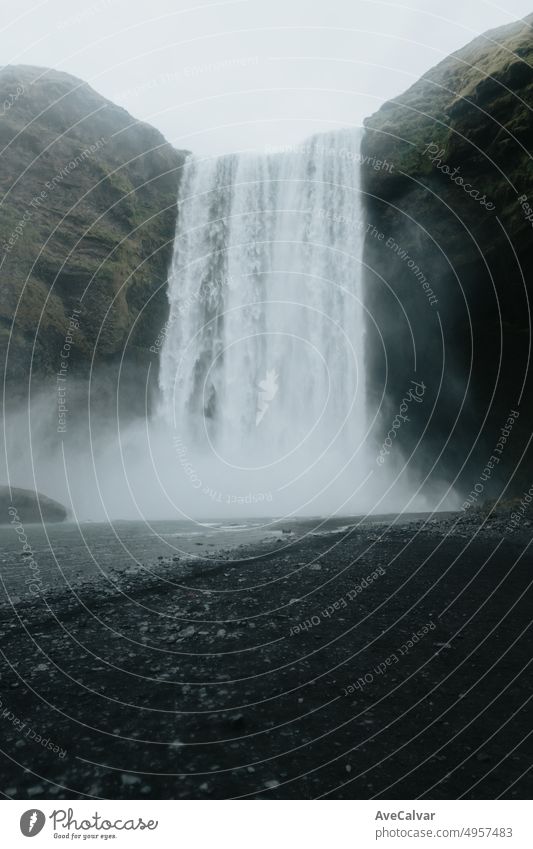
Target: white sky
[222,76]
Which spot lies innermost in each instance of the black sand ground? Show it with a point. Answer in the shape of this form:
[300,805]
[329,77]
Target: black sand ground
[203,683]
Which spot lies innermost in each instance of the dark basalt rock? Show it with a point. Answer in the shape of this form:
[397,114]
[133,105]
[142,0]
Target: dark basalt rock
[472,347]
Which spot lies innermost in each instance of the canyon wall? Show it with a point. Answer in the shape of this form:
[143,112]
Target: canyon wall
[88,212]
[449,260]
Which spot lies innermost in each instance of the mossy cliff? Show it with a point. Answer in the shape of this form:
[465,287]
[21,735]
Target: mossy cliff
[451,216]
[88,210]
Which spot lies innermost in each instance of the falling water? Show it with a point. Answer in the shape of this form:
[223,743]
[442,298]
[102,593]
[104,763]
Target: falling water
[262,365]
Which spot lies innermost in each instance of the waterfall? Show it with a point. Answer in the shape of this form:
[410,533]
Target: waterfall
[261,369]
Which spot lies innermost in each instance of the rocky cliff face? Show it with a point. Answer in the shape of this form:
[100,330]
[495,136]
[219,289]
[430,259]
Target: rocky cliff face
[88,209]
[449,258]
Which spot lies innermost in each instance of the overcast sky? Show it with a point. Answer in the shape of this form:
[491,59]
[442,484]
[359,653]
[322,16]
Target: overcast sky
[224,76]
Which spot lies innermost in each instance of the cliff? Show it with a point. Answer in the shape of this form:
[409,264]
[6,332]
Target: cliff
[88,199]
[19,507]
[449,258]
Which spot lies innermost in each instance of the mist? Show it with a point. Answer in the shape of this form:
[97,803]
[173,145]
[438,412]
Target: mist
[143,470]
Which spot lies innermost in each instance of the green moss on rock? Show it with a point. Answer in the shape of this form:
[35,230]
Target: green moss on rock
[102,233]
[472,348]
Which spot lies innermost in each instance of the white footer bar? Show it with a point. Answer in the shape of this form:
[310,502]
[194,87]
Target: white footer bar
[264,825]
